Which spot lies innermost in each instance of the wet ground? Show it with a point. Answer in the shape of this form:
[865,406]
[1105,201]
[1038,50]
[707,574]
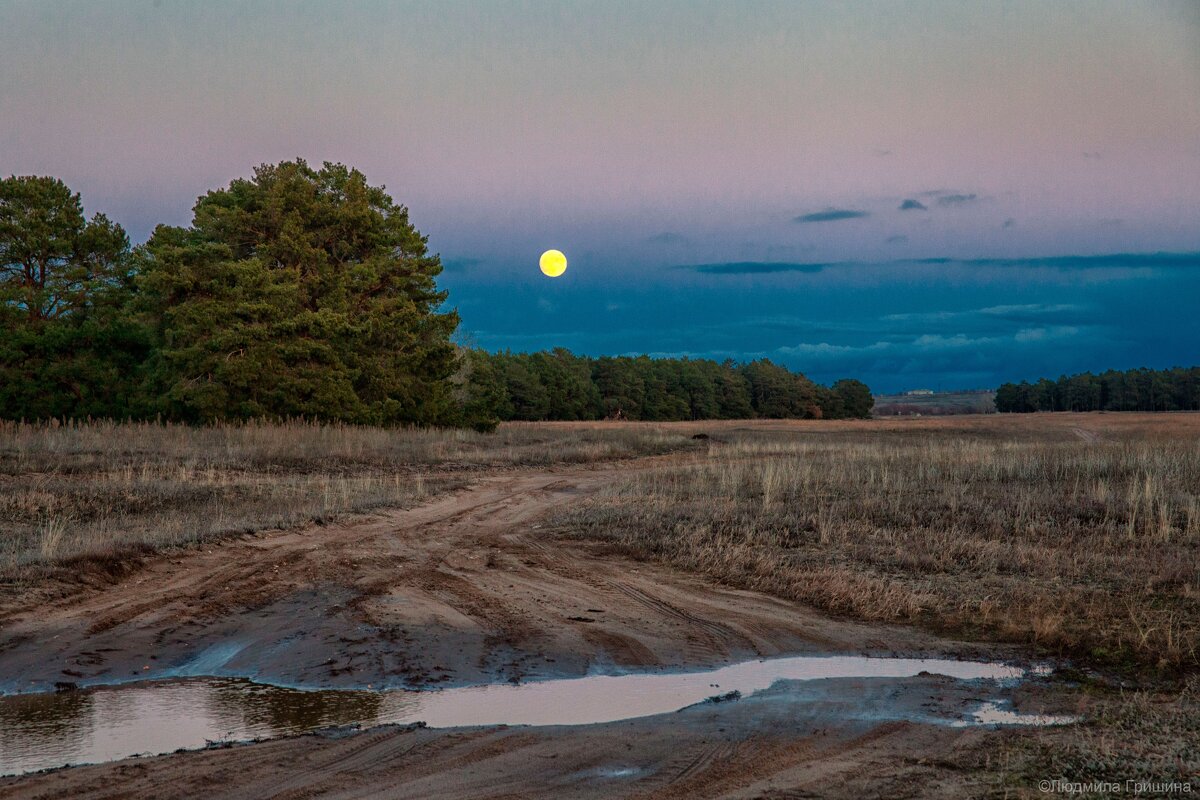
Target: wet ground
[39,731]
[467,591]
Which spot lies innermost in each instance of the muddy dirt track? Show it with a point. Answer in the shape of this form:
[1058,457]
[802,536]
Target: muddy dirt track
[469,589]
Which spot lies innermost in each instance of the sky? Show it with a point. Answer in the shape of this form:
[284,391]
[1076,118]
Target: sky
[921,195]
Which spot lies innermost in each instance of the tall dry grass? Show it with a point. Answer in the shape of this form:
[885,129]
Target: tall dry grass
[103,490]
[1080,544]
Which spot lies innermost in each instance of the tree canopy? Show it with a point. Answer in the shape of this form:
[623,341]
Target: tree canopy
[559,385]
[305,292]
[68,347]
[298,292]
[54,262]
[1176,389]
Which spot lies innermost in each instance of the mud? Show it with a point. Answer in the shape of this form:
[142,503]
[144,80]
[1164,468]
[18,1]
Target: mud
[469,590]
[40,731]
[849,738]
[462,591]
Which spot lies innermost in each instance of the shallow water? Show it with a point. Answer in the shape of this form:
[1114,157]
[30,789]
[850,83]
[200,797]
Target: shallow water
[993,713]
[109,723]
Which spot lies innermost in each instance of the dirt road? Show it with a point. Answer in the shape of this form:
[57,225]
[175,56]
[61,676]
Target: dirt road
[466,589]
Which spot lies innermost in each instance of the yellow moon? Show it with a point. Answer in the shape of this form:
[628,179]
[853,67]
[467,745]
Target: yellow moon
[553,263]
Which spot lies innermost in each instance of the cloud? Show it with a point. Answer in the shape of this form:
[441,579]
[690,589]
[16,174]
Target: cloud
[1015,312]
[1106,261]
[791,252]
[460,264]
[947,198]
[752,267]
[913,205]
[956,199]
[666,237]
[824,351]
[831,215]
[791,324]
[1110,261]
[936,341]
[945,352]
[1045,334]
[897,239]
[1029,310]
[994,321]
[1008,223]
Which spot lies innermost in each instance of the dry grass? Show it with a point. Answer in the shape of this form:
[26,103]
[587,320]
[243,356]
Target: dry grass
[1142,737]
[104,490]
[1079,534]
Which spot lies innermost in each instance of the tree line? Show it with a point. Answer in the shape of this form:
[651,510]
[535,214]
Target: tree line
[304,292]
[1176,389]
[559,385]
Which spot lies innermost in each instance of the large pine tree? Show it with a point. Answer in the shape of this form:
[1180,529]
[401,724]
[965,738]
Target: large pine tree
[67,348]
[298,292]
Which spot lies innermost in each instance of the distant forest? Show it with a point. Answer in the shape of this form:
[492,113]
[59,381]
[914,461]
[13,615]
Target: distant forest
[305,293]
[559,385]
[1176,389]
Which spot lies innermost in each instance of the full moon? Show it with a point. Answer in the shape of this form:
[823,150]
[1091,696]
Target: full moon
[553,263]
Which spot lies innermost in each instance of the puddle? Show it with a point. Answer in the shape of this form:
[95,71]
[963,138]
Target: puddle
[612,773]
[994,713]
[108,723]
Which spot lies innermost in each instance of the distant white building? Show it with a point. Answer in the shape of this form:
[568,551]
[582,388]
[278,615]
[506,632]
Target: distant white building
[915,392]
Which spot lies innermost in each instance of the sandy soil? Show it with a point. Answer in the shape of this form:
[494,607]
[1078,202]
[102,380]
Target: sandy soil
[469,589]
[465,589]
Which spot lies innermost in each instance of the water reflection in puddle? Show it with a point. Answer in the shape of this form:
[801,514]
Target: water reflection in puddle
[994,713]
[104,724]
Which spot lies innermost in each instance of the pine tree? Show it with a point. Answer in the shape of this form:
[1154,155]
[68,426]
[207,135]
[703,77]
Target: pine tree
[67,347]
[855,397]
[299,292]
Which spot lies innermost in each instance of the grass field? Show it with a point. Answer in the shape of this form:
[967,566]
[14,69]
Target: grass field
[1075,534]
[939,403]
[1079,534]
[101,491]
